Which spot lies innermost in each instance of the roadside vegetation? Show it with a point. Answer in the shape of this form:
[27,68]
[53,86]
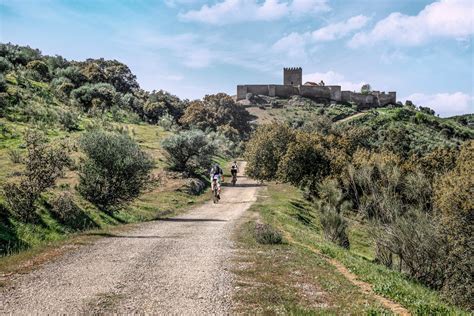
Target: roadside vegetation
[297,277]
[82,147]
[402,174]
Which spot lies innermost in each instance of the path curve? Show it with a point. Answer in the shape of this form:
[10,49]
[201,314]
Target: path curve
[176,266]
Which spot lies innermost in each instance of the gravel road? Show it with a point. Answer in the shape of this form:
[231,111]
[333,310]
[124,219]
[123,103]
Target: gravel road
[176,266]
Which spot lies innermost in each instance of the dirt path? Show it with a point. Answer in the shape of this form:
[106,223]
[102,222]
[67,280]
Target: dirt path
[175,266]
[363,286]
[351,117]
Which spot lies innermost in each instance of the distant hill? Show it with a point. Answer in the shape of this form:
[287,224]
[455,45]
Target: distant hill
[422,130]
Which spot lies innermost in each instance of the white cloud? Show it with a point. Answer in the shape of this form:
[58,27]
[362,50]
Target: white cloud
[445,104]
[444,18]
[338,30]
[238,11]
[295,45]
[334,78]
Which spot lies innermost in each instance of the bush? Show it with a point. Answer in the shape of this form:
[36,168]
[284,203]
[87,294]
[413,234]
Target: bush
[305,162]
[455,205]
[331,205]
[66,211]
[39,67]
[114,171]
[414,237]
[15,155]
[265,149]
[44,163]
[267,235]
[69,120]
[167,122]
[215,111]
[5,65]
[21,198]
[189,151]
[94,96]
[3,84]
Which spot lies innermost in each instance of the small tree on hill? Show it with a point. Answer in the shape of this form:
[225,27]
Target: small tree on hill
[189,151]
[44,164]
[115,170]
[265,149]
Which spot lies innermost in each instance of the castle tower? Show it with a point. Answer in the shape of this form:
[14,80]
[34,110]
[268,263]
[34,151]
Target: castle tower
[293,76]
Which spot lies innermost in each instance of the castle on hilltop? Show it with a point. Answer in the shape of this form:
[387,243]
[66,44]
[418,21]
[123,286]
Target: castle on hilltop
[293,85]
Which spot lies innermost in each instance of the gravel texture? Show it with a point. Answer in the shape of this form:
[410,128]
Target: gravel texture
[176,266]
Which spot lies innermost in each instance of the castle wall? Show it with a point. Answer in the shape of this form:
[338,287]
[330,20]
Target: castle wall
[315,92]
[286,91]
[383,99]
[335,93]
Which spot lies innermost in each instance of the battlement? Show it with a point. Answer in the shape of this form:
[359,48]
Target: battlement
[293,69]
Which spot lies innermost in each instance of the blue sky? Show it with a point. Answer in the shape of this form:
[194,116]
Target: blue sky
[421,49]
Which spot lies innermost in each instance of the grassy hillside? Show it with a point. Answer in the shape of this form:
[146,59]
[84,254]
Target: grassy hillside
[64,100]
[282,278]
[424,131]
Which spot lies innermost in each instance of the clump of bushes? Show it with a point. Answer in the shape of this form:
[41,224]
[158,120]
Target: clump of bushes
[267,235]
[114,171]
[190,151]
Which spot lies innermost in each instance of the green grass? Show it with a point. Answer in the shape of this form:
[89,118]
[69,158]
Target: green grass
[284,208]
[289,279]
[161,199]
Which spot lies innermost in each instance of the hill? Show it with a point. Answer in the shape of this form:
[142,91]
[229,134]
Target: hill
[63,100]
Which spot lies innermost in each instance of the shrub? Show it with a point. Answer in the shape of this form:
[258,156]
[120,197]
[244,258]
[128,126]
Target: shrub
[189,151]
[3,84]
[15,155]
[217,110]
[414,237]
[21,198]
[455,205]
[5,65]
[114,171]
[167,122]
[39,67]
[44,163]
[63,86]
[69,120]
[65,210]
[267,235]
[304,163]
[265,149]
[94,96]
[331,205]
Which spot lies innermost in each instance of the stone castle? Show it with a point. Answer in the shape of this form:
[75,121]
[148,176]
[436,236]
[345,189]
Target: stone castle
[293,85]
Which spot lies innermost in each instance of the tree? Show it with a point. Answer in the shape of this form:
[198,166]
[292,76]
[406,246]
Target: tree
[89,96]
[39,67]
[114,171]
[215,111]
[305,163]
[265,149]
[189,151]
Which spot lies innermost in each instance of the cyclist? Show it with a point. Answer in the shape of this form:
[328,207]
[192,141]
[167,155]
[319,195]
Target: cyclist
[216,174]
[233,170]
